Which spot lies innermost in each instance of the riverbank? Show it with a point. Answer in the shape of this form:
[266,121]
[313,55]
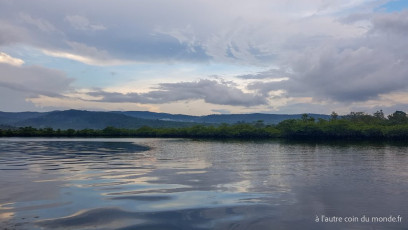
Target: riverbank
[288,129]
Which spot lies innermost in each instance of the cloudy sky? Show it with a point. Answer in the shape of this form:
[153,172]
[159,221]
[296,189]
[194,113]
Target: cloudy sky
[204,56]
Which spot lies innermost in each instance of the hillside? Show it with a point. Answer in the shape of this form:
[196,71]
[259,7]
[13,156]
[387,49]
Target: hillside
[220,118]
[76,119]
[79,119]
[11,118]
[160,116]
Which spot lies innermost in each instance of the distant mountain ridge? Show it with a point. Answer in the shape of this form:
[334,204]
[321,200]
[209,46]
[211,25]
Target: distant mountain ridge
[79,119]
[220,118]
[10,118]
[82,119]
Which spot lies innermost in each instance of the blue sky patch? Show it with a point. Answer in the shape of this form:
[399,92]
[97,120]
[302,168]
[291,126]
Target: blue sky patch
[393,6]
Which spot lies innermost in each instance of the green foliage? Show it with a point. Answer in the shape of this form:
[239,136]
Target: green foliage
[379,115]
[334,116]
[398,117]
[356,125]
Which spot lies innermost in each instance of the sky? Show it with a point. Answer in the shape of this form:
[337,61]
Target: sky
[203,57]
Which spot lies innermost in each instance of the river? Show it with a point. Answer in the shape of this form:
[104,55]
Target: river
[136,183]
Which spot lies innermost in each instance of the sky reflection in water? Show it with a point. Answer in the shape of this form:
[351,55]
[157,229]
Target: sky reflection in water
[185,184]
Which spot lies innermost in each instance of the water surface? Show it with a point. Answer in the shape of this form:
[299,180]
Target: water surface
[188,184]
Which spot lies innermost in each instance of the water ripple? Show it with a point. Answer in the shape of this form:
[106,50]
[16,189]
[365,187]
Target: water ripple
[185,184]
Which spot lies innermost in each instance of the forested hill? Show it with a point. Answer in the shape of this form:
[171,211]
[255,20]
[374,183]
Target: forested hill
[221,118]
[79,119]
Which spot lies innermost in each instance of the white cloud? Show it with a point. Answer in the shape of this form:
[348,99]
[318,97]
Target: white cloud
[86,54]
[5,58]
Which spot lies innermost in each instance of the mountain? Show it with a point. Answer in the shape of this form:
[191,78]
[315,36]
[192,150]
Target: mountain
[80,119]
[160,116]
[220,118]
[77,119]
[9,118]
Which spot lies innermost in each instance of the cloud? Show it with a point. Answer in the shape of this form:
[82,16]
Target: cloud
[276,74]
[211,91]
[164,31]
[86,54]
[348,70]
[5,58]
[24,82]
[394,23]
[82,23]
[10,34]
[22,87]
[340,51]
[39,23]
[221,111]
[343,75]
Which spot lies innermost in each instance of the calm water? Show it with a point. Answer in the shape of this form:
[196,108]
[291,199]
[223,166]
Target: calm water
[186,184]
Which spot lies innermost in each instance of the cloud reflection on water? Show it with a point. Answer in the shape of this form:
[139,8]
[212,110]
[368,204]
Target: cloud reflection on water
[177,183]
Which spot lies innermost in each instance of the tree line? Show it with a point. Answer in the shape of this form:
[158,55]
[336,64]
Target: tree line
[356,125]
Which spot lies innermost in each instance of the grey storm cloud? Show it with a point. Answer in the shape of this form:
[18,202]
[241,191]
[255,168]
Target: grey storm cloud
[180,30]
[19,83]
[396,23]
[160,31]
[348,70]
[210,91]
[124,30]
[33,81]
[324,56]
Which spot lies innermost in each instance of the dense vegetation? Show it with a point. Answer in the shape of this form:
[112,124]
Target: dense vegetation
[356,125]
